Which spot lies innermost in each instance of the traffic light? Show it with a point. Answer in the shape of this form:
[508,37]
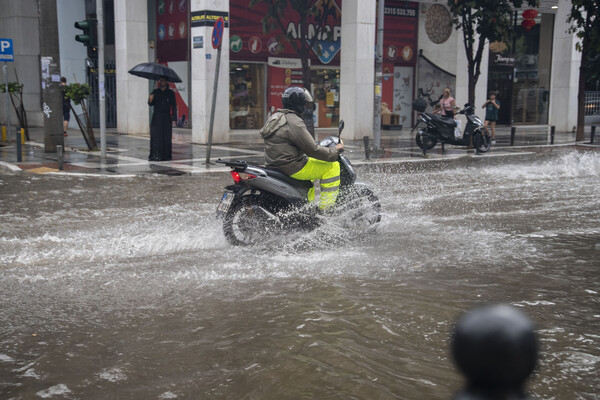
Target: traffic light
[88,36]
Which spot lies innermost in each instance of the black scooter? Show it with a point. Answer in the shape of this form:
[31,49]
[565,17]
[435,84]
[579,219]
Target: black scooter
[441,129]
[263,204]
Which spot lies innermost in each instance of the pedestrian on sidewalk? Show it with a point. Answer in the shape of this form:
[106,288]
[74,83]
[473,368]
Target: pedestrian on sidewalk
[161,127]
[491,105]
[66,105]
[446,105]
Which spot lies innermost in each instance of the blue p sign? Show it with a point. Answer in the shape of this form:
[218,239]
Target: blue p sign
[6,50]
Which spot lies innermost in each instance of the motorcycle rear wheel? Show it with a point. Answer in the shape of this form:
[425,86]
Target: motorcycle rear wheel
[248,222]
[425,141]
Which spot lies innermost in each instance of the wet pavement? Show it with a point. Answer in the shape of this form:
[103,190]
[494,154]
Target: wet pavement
[128,154]
[126,288]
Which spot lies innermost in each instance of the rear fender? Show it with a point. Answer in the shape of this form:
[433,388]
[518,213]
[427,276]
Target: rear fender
[279,188]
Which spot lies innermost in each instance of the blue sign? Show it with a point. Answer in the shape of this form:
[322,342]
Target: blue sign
[161,32]
[326,50]
[6,50]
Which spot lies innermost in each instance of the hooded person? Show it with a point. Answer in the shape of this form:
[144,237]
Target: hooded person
[291,149]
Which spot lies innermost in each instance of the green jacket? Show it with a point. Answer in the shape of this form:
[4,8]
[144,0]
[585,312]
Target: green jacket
[288,144]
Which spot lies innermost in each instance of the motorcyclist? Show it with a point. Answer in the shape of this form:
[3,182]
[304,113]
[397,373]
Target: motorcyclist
[291,149]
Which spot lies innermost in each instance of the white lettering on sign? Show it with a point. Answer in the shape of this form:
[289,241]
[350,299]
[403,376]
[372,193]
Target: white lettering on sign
[295,30]
[4,44]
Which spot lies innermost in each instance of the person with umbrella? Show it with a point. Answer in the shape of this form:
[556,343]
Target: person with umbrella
[165,108]
[165,113]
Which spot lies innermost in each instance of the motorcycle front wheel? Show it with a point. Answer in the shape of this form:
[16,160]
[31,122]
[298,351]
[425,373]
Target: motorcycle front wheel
[360,207]
[425,141]
[481,141]
[248,222]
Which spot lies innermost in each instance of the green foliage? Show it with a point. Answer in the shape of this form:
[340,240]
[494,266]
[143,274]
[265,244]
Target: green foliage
[13,87]
[585,17]
[485,20]
[77,92]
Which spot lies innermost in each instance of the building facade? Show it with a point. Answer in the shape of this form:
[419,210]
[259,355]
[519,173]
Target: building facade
[535,75]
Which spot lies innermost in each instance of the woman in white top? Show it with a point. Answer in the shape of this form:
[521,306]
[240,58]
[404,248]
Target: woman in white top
[446,105]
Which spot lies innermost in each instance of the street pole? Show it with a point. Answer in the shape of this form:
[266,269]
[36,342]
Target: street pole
[50,63]
[214,105]
[378,78]
[100,66]
[7,108]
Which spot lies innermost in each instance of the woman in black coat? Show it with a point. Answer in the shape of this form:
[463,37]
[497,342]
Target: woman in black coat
[161,131]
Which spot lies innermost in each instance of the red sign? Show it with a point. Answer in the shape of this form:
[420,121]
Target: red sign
[171,30]
[246,26]
[400,31]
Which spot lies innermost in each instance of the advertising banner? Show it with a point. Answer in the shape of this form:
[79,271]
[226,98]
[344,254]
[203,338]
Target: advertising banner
[400,34]
[283,73]
[249,43]
[171,30]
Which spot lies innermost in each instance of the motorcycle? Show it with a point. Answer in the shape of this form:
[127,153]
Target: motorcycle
[264,204]
[442,129]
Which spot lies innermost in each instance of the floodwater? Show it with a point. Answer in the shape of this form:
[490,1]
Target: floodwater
[124,288]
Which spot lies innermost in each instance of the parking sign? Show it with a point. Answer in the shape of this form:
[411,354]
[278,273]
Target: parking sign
[6,50]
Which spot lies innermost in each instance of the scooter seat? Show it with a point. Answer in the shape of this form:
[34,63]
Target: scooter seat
[286,178]
[444,120]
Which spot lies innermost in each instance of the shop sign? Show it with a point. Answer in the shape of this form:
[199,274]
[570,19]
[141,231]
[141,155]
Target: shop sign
[285,62]
[501,60]
[208,18]
[401,26]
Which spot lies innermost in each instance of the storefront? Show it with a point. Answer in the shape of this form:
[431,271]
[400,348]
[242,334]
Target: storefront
[171,32]
[519,71]
[400,42]
[263,65]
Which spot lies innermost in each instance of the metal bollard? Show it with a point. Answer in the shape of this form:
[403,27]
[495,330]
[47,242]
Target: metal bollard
[512,135]
[4,133]
[366,142]
[552,132]
[592,134]
[59,153]
[18,139]
[496,348]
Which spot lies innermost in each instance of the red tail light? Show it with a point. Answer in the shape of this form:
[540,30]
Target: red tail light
[238,177]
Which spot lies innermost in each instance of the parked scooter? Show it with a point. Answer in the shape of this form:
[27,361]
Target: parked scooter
[264,204]
[442,129]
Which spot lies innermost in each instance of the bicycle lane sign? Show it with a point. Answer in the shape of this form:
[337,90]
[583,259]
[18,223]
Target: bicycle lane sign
[6,50]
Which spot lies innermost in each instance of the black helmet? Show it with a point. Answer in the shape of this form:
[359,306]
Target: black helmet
[294,98]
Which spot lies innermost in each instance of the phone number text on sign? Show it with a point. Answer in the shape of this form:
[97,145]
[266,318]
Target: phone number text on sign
[402,12]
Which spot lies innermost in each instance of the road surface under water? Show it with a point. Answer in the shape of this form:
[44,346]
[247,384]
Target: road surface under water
[125,287]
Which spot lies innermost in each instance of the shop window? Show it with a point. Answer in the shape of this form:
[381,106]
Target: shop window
[520,72]
[326,92]
[246,95]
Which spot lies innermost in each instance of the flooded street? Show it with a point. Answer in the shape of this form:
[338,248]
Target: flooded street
[125,288]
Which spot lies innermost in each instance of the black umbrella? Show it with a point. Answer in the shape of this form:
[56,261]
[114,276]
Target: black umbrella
[154,71]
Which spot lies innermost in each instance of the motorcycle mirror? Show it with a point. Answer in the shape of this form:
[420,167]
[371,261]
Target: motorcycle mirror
[341,128]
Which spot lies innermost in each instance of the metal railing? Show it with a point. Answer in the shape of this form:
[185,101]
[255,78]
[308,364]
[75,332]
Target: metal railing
[110,87]
[592,103]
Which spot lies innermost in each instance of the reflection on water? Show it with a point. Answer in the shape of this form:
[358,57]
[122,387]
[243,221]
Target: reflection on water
[127,287]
